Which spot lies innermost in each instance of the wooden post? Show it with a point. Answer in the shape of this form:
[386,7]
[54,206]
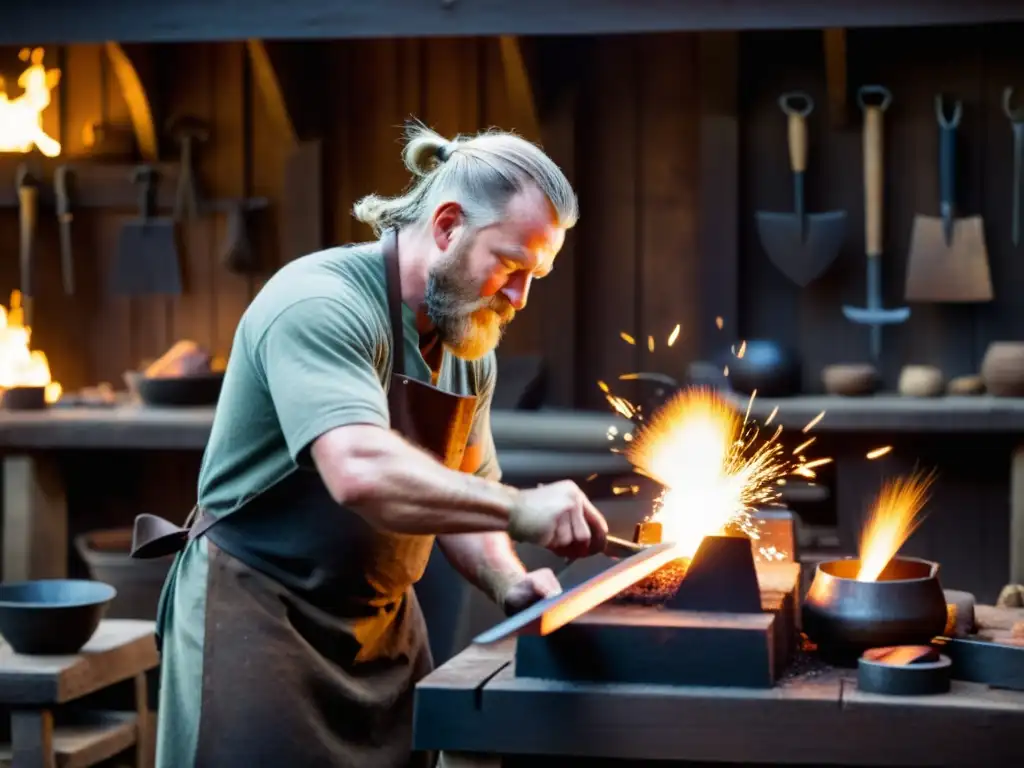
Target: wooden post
[1017,515]
[719,196]
[35,522]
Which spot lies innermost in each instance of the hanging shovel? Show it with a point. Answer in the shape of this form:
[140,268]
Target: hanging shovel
[1016,116]
[948,259]
[874,100]
[801,245]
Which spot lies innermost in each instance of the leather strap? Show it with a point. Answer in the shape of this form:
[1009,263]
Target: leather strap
[389,246]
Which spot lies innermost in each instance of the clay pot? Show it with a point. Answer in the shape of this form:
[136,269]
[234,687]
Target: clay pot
[767,366]
[921,381]
[966,385]
[1002,369]
[852,379]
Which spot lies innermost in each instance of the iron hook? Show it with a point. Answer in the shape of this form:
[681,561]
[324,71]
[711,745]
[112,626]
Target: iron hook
[874,90]
[1016,114]
[953,121]
[787,100]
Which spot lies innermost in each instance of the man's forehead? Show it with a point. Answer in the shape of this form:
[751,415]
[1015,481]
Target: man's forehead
[531,220]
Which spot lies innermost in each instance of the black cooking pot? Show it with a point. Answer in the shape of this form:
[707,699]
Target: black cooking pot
[844,617]
[772,368]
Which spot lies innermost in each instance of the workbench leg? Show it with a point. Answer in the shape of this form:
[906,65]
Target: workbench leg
[35,518]
[468,760]
[145,754]
[1017,516]
[32,739]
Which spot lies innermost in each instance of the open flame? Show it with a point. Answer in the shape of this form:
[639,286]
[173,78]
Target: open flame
[715,468]
[21,118]
[895,515]
[19,365]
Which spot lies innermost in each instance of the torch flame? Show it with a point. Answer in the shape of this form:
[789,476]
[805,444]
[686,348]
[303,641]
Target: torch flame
[895,515]
[695,445]
[21,366]
[21,118]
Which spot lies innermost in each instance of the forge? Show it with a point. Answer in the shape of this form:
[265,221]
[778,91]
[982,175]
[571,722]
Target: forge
[719,619]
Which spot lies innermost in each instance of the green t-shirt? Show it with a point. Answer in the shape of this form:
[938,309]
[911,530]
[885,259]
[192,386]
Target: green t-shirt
[310,354]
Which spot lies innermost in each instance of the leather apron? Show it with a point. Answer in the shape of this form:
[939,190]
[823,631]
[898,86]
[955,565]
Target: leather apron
[286,682]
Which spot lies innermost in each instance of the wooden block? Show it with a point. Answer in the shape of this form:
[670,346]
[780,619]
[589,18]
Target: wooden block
[641,644]
[644,644]
[120,649]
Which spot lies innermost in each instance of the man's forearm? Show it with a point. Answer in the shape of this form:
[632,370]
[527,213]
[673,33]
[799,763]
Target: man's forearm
[400,488]
[486,560]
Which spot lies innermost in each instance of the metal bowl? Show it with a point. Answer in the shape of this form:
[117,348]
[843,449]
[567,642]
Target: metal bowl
[24,399]
[52,616]
[170,391]
[845,617]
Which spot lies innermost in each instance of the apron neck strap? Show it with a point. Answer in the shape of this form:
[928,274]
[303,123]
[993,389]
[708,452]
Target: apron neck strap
[389,246]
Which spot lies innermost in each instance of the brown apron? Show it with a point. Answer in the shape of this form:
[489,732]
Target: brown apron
[286,682]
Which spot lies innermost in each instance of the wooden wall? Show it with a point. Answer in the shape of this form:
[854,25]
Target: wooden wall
[634,132]
[971,64]
[667,200]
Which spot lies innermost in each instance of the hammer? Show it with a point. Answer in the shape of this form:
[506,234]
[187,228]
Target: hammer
[874,314]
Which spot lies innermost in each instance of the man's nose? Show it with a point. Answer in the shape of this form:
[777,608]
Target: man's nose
[517,289]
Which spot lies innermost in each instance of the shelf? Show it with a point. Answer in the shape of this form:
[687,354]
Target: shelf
[88,738]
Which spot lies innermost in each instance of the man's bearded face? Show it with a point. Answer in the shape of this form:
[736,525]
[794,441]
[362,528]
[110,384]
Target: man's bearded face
[468,325]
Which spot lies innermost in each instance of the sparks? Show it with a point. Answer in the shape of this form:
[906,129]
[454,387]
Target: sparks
[895,515]
[627,338]
[742,350]
[879,452]
[720,322]
[712,463]
[813,422]
[674,335]
[650,343]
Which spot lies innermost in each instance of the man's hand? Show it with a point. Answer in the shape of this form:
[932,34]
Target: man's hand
[531,588]
[559,517]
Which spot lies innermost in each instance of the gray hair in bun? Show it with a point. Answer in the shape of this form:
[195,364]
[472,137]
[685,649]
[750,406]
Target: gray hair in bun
[481,173]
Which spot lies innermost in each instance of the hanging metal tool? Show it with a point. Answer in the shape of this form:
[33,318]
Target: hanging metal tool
[1016,116]
[873,101]
[801,245]
[28,209]
[188,131]
[64,220]
[948,259]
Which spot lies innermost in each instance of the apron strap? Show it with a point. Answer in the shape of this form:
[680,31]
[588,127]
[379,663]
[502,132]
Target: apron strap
[389,245]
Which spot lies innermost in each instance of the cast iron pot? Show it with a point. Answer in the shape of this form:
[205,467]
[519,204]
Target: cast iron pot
[845,617]
[52,616]
[771,368]
[193,390]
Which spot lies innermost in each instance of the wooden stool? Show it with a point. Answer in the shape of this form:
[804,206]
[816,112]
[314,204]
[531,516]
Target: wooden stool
[34,686]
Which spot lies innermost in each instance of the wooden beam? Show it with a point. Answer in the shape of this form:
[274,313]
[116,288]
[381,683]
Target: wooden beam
[35,518]
[268,85]
[127,69]
[718,198]
[519,89]
[286,75]
[191,20]
[836,76]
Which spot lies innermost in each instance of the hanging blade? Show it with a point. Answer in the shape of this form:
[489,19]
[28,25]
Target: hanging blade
[28,200]
[64,220]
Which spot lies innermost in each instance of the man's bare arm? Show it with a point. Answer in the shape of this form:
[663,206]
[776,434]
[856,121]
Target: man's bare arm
[401,488]
[488,561]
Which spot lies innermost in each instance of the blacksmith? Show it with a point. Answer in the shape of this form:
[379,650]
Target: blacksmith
[353,428]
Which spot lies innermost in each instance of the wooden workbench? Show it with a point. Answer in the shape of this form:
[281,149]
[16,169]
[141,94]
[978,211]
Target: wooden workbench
[476,712]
